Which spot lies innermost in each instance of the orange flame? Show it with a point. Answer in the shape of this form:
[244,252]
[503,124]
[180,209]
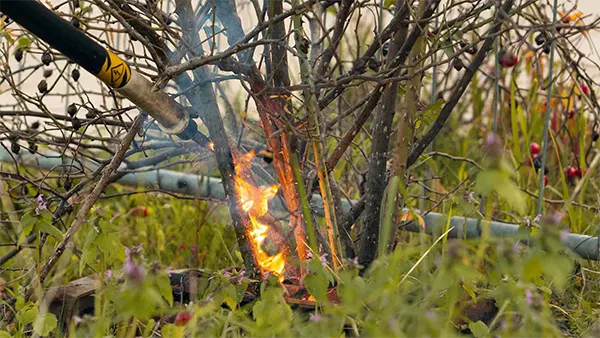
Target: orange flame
[254,201]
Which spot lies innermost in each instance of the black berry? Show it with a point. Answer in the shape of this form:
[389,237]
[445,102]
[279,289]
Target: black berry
[546,49]
[385,49]
[15,147]
[19,54]
[75,74]
[47,73]
[68,183]
[76,123]
[540,39]
[32,147]
[46,58]
[537,164]
[43,86]
[595,136]
[128,53]
[374,64]
[457,64]
[472,49]
[72,110]
[35,125]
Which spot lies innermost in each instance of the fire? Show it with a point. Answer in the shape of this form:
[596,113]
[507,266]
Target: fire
[255,202]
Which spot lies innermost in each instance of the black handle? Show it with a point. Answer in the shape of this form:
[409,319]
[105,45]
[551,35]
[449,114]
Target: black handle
[70,41]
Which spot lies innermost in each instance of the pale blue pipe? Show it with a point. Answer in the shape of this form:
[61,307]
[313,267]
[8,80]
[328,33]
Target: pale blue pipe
[209,187]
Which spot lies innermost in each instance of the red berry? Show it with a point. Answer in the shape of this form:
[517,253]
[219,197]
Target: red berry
[571,114]
[140,211]
[534,148]
[585,89]
[508,59]
[183,318]
[545,180]
[578,172]
[570,171]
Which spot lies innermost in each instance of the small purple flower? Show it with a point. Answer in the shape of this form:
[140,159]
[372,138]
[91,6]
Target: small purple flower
[494,145]
[537,218]
[315,317]
[527,221]
[42,204]
[469,196]
[516,248]
[194,250]
[133,272]
[529,297]
[557,217]
[564,235]
[431,315]
[108,274]
[323,259]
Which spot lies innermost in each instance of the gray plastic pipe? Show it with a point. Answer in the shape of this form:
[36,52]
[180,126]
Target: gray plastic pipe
[209,187]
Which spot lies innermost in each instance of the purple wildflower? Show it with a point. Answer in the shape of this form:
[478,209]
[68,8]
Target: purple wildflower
[315,317]
[537,218]
[323,259]
[42,204]
[529,297]
[133,272]
[557,217]
[516,248]
[494,145]
[431,315]
[564,235]
[470,196]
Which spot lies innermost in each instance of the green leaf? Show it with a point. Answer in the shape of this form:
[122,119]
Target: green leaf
[44,325]
[28,221]
[20,302]
[22,42]
[164,288]
[4,334]
[435,108]
[168,330]
[28,316]
[149,328]
[47,227]
[500,182]
[479,329]
[470,290]
[316,284]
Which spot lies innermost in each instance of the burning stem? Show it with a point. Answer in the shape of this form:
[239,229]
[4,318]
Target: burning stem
[317,140]
[310,228]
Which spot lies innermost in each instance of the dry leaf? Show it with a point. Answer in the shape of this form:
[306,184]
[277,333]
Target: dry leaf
[407,217]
